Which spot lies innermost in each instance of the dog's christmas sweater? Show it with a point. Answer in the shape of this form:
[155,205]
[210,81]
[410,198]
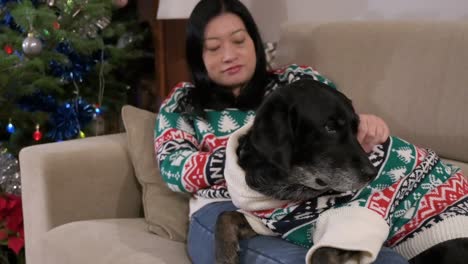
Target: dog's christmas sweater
[190,151]
[416,202]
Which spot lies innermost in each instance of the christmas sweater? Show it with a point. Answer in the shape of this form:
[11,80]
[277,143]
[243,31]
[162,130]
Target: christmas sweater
[190,151]
[415,202]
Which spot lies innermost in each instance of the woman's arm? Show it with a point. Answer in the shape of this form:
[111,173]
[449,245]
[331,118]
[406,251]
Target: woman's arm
[184,167]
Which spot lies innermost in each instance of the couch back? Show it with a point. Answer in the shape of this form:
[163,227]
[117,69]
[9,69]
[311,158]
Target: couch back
[412,74]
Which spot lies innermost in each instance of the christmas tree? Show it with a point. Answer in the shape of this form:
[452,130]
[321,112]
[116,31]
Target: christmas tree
[66,67]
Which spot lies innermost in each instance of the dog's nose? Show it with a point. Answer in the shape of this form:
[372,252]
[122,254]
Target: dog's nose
[321,183]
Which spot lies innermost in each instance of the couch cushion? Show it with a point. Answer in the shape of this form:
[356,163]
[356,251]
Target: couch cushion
[110,241]
[165,211]
[412,74]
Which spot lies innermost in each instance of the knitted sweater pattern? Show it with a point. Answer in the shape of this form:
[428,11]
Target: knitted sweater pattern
[190,151]
[416,202]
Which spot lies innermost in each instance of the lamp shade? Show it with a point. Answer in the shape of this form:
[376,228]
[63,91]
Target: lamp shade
[175,9]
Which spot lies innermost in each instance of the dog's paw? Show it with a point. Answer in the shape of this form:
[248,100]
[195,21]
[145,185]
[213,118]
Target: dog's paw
[328,255]
[227,253]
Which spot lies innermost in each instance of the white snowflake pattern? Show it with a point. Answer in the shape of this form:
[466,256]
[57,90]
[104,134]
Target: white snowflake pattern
[405,154]
[417,196]
[163,122]
[183,125]
[433,182]
[397,173]
[249,118]
[173,187]
[304,215]
[204,127]
[378,187]
[227,124]
[269,223]
[448,169]
[169,174]
[410,213]
[177,158]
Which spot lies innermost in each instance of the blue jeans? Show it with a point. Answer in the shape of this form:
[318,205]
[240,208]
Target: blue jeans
[260,249]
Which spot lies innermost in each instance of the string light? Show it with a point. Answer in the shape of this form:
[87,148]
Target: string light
[10,127]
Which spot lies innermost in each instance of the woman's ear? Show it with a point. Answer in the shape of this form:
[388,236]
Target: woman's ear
[271,133]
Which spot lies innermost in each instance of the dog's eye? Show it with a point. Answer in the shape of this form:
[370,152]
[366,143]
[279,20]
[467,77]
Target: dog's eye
[331,127]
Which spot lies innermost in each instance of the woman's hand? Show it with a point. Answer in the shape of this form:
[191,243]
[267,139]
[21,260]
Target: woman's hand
[372,131]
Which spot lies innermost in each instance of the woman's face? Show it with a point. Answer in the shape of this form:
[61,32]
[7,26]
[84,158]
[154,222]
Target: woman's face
[229,52]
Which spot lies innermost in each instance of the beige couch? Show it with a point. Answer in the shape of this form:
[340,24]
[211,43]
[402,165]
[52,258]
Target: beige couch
[82,202]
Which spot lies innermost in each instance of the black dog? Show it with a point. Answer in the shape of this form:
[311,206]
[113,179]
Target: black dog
[303,143]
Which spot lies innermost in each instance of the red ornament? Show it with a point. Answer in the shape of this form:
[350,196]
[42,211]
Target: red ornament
[37,135]
[8,49]
[56,25]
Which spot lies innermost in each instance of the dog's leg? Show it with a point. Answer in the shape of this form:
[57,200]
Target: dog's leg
[449,252]
[329,255]
[230,228]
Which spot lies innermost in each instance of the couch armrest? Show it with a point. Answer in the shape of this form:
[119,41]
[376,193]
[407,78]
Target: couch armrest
[76,180]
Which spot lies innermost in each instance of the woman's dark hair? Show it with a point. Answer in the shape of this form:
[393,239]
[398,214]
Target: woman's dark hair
[206,93]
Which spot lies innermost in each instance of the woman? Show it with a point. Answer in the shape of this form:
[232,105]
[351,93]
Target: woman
[230,80]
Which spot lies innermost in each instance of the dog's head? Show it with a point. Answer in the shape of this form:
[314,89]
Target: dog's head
[308,130]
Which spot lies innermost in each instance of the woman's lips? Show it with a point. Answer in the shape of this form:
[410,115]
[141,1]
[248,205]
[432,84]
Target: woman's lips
[233,70]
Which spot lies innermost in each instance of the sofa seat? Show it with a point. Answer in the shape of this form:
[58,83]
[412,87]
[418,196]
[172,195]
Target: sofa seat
[110,241]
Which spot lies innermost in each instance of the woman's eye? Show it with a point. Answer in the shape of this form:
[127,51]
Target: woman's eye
[212,49]
[239,41]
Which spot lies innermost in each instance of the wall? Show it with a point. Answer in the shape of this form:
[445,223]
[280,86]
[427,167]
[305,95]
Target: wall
[269,14]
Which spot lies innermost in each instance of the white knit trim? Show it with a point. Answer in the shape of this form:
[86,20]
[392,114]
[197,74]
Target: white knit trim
[350,228]
[242,196]
[197,202]
[257,225]
[451,228]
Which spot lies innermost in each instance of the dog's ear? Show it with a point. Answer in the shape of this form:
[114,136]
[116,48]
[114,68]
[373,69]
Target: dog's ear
[272,132]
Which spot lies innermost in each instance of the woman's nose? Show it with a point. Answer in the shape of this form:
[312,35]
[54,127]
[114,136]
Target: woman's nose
[229,53]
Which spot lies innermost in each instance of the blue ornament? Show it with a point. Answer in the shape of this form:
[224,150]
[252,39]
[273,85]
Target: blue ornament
[97,111]
[76,69]
[10,22]
[64,123]
[85,112]
[69,118]
[10,128]
[19,55]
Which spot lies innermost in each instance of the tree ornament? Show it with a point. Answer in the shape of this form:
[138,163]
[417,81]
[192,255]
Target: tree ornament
[10,181]
[97,109]
[10,127]
[82,134]
[120,3]
[37,135]
[8,49]
[56,25]
[125,40]
[50,3]
[32,45]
